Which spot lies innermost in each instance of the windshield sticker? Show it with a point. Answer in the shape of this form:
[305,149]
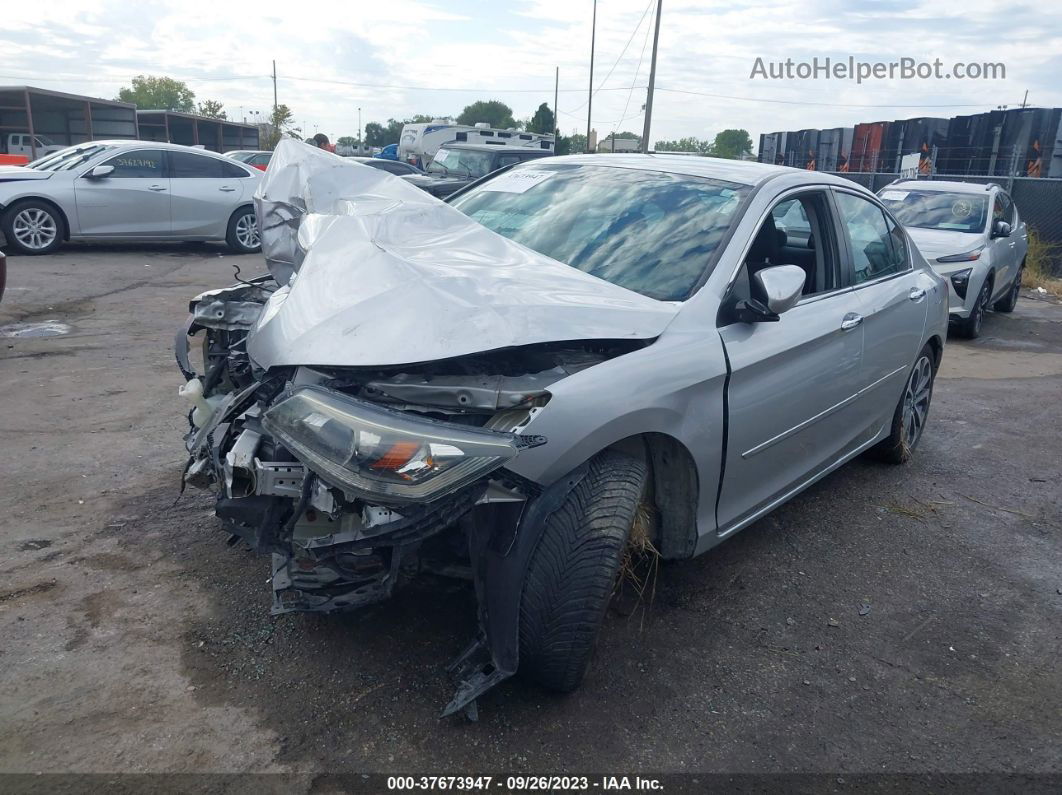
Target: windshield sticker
[517,181]
[962,209]
[895,195]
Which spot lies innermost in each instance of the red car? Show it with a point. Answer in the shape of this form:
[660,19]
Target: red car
[252,157]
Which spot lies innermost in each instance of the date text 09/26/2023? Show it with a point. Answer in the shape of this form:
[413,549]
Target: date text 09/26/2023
[523,783]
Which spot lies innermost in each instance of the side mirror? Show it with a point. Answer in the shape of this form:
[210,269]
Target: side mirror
[99,172]
[780,287]
[1000,229]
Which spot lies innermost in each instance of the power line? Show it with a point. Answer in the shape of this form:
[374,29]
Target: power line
[614,65]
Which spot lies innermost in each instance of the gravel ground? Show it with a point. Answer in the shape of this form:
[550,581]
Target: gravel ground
[887,620]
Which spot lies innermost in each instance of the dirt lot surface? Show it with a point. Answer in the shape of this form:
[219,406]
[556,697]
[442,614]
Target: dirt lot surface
[889,619]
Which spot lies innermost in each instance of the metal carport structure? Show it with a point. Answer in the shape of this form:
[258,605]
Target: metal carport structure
[218,135]
[65,118]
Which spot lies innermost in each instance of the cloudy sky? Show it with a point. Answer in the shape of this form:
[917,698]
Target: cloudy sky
[402,57]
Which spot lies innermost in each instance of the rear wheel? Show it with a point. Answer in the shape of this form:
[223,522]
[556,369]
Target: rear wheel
[573,571]
[912,412]
[33,227]
[971,327]
[1010,300]
[243,234]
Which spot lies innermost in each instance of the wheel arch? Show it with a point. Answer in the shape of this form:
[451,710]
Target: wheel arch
[675,485]
[43,200]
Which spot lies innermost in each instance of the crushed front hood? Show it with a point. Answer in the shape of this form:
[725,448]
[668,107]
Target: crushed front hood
[387,274]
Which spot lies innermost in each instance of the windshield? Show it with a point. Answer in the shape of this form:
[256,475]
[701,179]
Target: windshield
[927,209]
[68,158]
[647,231]
[461,163]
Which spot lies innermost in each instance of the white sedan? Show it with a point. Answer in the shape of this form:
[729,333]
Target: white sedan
[973,236]
[128,190]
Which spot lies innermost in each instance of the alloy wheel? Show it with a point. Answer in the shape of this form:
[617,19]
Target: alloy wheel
[34,228]
[981,307]
[247,231]
[916,400]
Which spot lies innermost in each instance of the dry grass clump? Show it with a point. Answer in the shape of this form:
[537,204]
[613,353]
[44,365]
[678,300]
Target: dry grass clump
[1038,265]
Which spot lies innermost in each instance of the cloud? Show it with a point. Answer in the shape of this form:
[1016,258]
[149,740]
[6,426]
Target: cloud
[425,56]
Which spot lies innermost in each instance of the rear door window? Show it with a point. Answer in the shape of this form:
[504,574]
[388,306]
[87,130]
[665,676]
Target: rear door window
[138,164]
[875,242]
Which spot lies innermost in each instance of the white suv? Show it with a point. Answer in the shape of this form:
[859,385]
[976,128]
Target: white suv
[972,235]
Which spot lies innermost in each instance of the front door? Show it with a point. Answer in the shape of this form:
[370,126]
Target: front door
[792,384]
[132,201]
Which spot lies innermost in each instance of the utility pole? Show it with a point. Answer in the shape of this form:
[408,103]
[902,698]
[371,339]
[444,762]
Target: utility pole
[652,81]
[274,90]
[1025,99]
[590,97]
[361,140]
[556,111]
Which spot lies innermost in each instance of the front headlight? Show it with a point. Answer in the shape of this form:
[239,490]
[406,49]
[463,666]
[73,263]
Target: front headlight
[373,452]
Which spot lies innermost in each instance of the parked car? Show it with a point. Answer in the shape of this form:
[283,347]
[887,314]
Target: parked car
[395,167]
[24,144]
[389,152]
[458,165]
[128,190]
[419,141]
[971,234]
[509,385]
[252,157]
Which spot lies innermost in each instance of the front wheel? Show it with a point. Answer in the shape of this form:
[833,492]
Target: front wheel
[1010,300]
[970,328]
[33,227]
[912,412]
[243,236]
[573,570]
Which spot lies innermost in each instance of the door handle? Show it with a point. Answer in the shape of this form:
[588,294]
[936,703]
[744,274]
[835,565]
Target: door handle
[916,294]
[157,188]
[850,321]
[227,188]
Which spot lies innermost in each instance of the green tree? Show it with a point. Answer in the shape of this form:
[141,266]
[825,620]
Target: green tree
[542,121]
[732,144]
[571,144]
[158,93]
[281,122]
[376,134]
[688,144]
[496,114]
[346,140]
[213,109]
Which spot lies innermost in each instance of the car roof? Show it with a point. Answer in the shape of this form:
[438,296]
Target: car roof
[492,147]
[745,172]
[942,186]
[128,142]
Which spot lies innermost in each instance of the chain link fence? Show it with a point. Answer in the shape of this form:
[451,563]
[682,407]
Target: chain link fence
[1039,202]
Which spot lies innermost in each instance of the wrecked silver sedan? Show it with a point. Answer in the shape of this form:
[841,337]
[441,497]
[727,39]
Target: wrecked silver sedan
[501,387]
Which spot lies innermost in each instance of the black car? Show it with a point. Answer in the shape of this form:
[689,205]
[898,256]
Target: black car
[396,167]
[458,164]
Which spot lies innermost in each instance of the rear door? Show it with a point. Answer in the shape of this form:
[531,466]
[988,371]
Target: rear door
[133,200]
[893,301]
[793,382]
[206,191]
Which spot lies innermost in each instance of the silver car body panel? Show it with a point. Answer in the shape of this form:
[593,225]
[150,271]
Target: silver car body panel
[389,275]
[134,208]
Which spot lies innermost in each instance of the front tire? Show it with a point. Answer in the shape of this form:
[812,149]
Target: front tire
[243,236]
[912,412]
[970,327]
[33,227]
[1010,300]
[573,571]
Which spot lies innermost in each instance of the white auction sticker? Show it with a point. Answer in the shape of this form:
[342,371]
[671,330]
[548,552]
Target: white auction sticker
[895,195]
[517,181]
